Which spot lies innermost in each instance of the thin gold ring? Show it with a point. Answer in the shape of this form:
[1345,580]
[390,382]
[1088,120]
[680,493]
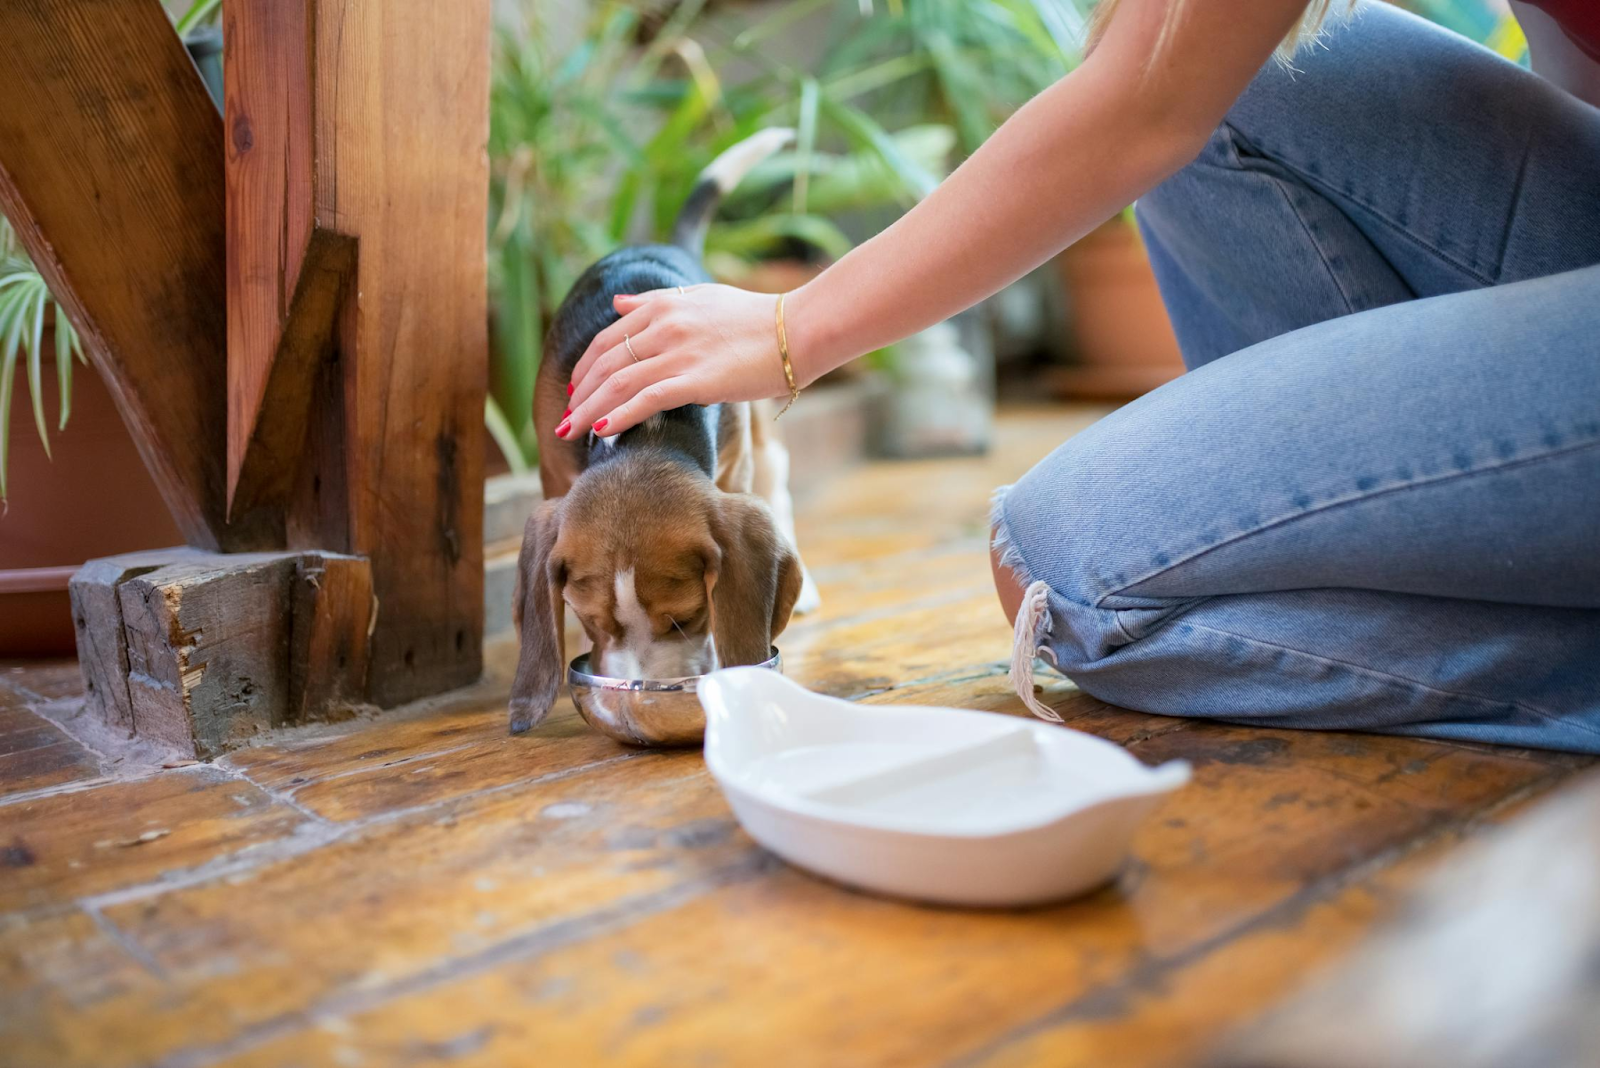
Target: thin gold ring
[628,343]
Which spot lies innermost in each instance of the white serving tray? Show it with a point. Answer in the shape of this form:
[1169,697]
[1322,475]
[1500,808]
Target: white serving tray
[937,804]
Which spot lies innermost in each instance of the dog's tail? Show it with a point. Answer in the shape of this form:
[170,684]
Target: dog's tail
[717,180]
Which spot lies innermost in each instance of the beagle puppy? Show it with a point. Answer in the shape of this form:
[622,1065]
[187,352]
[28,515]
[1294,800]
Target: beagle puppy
[673,542]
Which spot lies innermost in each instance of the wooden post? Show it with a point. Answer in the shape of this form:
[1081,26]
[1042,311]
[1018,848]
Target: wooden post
[296,335]
[368,120]
[111,174]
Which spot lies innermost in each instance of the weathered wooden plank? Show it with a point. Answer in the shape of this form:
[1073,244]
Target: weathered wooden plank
[1492,963]
[269,172]
[401,125]
[49,679]
[35,754]
[125,834]
[208,650]
[111,172]
[779,948]
[52,967]
[455,888]
[461,770]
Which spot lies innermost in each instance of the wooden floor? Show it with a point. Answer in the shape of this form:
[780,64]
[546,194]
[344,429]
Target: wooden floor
[422,889]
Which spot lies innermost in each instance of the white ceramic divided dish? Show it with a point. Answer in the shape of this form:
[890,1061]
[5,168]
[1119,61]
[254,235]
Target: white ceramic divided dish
[936,804]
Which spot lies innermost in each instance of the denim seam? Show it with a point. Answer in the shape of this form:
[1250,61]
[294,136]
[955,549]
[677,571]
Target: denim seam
[1516,195]
[1403,231]
[1278,184]
[1400,680]
[1356,499]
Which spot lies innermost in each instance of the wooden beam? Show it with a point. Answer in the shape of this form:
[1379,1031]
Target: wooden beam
[111,173]
[392,100]
[409,116]
[275,445]
[268,93]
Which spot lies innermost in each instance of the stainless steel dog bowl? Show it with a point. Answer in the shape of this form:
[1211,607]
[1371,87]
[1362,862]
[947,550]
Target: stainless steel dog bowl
[644,711]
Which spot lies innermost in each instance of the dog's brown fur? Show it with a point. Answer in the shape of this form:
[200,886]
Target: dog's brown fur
[663,541]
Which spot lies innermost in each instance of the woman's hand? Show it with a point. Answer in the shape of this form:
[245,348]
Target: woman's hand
[704,345]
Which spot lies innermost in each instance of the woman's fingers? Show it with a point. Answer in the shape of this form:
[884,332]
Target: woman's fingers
[658,396]
[614,390]
[633,321]
[617,358]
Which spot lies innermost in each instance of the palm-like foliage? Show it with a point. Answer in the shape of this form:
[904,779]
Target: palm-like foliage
[26,306]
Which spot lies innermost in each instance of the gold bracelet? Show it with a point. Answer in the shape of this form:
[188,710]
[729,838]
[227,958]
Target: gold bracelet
[783,354]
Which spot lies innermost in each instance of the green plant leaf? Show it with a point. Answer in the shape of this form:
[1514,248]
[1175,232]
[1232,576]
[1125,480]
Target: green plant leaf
[199,11]
[782,19]
[753,237]
[504,437]
[805,140]
[863,130]
[64,341]
[33,341]
[10,333]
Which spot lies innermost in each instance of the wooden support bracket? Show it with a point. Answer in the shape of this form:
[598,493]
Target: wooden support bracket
[275,449]
[111,173]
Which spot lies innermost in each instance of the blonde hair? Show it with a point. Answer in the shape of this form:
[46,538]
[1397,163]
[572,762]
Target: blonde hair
[1308,28]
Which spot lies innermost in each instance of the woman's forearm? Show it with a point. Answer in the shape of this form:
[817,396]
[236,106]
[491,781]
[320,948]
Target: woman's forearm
[1137,109]
[1067,161]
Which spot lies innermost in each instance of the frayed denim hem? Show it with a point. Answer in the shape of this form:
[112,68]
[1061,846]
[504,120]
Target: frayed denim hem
[1033,621]
[1009,556]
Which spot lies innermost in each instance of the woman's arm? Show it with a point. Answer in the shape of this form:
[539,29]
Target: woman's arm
[1073,156]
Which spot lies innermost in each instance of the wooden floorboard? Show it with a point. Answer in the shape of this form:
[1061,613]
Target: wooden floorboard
[420,888]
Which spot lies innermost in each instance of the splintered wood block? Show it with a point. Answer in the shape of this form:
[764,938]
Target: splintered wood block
[332,606]
[201,652]
[97,622]
[208,648]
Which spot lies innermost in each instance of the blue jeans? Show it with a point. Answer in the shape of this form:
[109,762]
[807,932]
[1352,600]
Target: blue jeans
[1373,502]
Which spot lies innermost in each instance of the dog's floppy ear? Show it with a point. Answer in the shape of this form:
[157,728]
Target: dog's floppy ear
[753,581]
[540,615]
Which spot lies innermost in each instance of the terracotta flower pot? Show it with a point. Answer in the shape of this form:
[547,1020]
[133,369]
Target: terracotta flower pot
[93,499]
[1122,339]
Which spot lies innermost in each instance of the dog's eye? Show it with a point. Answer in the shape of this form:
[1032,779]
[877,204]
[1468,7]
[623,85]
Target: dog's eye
[686,624]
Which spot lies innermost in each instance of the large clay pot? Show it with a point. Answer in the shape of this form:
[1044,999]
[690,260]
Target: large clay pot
[93,499]
[1123,343]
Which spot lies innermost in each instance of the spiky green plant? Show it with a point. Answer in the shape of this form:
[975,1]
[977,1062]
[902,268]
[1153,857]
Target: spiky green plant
[26,306]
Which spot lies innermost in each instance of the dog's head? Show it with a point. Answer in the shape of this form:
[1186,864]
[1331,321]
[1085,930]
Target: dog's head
[669,576]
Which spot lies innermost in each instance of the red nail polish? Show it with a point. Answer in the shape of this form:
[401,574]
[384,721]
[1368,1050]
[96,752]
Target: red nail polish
[600,424]
[566,425]
[566,413]
[569,389]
